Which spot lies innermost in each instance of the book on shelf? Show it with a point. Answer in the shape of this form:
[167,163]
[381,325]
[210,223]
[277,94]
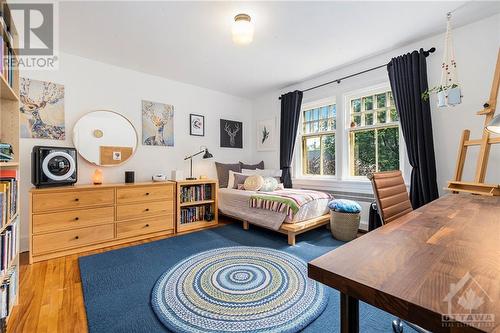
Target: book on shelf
[8,249]
[9,197]
[192,193]
[8,292]
[7,56]
[194,214]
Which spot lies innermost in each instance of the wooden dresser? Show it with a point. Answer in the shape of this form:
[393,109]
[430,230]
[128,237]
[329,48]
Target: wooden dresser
[67,220]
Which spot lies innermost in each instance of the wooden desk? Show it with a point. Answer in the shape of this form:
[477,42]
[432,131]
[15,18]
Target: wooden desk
[407,266]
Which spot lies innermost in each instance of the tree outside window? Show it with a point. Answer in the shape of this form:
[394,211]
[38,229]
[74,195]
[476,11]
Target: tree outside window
[318,140]
[373,134]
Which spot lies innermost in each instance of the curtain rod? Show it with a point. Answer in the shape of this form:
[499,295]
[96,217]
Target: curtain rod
[426,53]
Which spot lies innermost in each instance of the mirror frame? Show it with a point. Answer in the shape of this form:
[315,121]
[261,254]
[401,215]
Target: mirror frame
[107,165]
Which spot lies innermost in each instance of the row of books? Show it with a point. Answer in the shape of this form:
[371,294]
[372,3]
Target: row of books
[8,292]
[196,193]
[194,214]
[8,195]
[7,52]
[8,246]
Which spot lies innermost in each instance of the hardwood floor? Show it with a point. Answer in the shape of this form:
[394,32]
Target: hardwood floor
[51,297]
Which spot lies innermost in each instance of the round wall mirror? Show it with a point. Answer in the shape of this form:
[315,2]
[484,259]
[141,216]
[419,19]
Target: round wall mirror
[105,138]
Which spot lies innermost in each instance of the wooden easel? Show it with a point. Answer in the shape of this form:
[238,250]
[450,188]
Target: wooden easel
[478,186]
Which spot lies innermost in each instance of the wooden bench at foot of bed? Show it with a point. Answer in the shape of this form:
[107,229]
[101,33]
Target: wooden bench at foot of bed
[294,229]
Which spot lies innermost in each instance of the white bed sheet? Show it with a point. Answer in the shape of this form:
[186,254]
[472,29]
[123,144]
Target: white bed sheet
[235,203]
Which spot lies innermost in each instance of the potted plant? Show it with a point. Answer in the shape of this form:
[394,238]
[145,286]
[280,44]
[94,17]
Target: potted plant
[449,95]
[453,95]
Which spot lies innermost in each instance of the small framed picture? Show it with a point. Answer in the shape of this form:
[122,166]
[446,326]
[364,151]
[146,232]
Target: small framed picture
[266,134]
[196,125]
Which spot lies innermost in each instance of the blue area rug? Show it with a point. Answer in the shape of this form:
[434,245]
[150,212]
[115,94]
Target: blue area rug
[238,289]
[117,285]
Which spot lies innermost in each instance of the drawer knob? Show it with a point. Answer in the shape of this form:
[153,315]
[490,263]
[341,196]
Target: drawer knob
[77,218]
[76,237]
[147,209]
[147,193]
[76,199]
[147,225]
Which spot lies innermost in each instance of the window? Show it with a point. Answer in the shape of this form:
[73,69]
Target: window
[318,140]
[373,134]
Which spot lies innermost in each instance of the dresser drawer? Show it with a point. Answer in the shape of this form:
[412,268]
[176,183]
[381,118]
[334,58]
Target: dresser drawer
[141,210]
[72,238]
[144,193]
[72,219]
[144,226]
[72,199]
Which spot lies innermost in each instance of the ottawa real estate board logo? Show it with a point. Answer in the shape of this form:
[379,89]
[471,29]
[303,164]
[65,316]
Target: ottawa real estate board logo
[30,38]
[467,305]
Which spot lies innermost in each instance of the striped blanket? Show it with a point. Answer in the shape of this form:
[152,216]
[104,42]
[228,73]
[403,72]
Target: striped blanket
[286,201]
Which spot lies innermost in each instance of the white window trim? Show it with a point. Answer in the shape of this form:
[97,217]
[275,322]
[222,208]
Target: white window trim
[342,181]
[297,161]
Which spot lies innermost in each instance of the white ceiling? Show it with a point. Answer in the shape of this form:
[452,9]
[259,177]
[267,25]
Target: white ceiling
[191,41]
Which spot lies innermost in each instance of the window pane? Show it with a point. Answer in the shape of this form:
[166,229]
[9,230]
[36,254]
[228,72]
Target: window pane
[307,115]
[381,100]
[331,124]
[388,149]
[356,121]
[369,119]
[314,127]
[391,99]
[363,153]
[315,115]
[333,111]
[356,105]
[328,154]
[368,102]
[382,117]
[394,115]
[323,125]
[312,152]
[324,112]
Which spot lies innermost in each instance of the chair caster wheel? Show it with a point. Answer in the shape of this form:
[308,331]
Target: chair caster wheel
[397,326]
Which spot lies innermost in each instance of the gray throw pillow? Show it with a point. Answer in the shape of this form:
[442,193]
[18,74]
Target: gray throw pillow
[252,166]
[223,172]
[239,179]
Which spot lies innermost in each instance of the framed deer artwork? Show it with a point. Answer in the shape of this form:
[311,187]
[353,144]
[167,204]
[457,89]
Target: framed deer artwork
[42,110]
[157,124]
[231,134]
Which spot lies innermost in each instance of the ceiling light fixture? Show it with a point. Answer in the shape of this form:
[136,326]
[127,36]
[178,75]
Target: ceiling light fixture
[242,29]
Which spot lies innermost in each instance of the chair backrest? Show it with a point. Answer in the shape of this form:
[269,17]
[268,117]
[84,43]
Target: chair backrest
[391,195]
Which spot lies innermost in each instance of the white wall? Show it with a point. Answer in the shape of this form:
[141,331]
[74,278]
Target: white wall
[476,47]
[91,85]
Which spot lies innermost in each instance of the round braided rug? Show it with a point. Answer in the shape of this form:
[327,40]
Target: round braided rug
[238,289]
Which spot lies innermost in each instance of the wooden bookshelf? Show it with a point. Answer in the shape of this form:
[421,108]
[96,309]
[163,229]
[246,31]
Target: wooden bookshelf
[9,133]
[205,201]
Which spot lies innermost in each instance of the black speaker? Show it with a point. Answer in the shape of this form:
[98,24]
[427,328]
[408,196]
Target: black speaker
[129,177]
[53,166]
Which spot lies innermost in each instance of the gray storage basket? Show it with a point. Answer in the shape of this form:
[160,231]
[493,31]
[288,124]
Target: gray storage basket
[344,226]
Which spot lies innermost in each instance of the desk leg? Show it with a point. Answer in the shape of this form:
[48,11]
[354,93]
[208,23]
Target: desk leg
[349,314]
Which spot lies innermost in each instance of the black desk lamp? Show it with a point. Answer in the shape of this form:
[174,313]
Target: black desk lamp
[205,156]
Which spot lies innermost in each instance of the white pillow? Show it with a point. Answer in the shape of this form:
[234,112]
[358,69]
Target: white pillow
[230,181]
[262,172]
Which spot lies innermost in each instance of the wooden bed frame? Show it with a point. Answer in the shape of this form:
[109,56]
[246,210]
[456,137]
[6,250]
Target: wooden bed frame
[294,229]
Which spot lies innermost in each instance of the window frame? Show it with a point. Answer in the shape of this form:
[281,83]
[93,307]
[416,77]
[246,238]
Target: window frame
[301,138]
[346,155]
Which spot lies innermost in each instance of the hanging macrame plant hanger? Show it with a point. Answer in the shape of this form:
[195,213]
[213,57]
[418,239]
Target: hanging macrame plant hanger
[449,93]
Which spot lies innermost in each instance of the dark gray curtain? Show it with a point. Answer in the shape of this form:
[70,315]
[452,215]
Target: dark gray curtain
[408,77]
[290,115]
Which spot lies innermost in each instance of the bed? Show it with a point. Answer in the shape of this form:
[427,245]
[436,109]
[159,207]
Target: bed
[311,215]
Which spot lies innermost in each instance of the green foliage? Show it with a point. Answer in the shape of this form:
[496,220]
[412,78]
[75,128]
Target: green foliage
[426,94]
